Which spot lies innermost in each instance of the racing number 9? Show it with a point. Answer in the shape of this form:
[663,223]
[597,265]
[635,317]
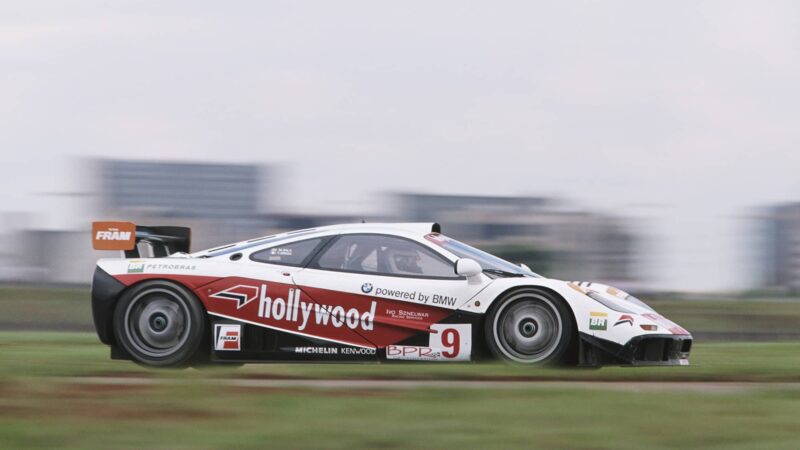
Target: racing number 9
[451,341]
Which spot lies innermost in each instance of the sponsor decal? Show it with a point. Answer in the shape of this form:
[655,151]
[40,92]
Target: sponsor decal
[113,235]
[448,342]
[366,288]
[242,294]
[413,353]
[407,315]
[443,300]
[317,350]
[294,310]
[344,351]
[355,351]
[416,296]
[281,251]
[141,267]
[624,319]
[135,266]
[395,293]
[170,266]
[347,318]
[227,337]
[598,321]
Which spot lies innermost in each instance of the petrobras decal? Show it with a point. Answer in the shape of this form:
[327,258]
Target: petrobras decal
[598,321]
[447,342]
[297,313]
[227,337]
[141,267]
[135,266]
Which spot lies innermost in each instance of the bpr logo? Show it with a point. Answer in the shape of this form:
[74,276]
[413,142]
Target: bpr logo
[366,288]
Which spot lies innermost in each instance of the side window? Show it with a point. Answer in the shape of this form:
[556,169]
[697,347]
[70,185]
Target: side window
[293,254]
[384,255]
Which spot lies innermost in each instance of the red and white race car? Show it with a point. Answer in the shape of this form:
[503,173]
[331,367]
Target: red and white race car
[357,293]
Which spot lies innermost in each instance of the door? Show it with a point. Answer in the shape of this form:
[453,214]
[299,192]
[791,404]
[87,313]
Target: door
[384,288]
[263,293]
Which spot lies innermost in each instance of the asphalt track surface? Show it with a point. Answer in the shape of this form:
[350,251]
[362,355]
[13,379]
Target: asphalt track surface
[360,384]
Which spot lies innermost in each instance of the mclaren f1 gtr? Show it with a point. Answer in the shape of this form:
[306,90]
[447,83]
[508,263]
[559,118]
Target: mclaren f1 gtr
[357,293]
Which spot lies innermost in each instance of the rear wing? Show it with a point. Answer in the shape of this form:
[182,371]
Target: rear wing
[138,241]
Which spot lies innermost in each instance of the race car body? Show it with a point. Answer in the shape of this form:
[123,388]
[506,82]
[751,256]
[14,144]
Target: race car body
[358,293]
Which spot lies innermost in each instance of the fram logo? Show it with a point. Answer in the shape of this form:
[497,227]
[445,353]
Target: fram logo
[113,235]
[227,337]
[242,294]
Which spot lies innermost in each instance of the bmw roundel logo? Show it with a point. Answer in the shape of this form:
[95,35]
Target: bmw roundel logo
[366,288]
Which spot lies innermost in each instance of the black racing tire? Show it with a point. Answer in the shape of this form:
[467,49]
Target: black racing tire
[530,326]
[160,324]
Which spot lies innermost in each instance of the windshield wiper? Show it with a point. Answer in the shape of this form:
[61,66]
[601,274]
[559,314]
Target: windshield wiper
[503,273]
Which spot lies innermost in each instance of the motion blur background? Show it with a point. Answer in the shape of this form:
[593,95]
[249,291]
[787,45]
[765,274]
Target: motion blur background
[650,146]
[672,128]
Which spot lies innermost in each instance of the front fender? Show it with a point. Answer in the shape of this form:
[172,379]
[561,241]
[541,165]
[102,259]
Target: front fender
[592,318]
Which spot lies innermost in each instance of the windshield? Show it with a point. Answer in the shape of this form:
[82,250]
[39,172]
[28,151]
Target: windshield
[488,262]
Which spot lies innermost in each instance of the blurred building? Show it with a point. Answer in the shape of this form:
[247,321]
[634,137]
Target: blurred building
[221,202]
[781,247]
[569,244]
[178,189]
[225,203]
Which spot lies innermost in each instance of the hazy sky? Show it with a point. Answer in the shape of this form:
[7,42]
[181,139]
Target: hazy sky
[684,113]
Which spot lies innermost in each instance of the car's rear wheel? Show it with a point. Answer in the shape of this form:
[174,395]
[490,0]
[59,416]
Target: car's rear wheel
[530,327]
[160,324]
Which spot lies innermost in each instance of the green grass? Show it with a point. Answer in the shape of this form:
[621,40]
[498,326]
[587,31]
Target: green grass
[193,415]
[39,408]
[40,308]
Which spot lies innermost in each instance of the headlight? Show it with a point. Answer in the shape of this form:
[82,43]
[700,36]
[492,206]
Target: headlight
[608,303]
[628,298]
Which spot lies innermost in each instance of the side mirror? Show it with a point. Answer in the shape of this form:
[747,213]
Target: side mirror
[525,266]
[468,268]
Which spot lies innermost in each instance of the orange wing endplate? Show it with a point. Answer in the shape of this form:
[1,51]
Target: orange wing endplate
[113,235]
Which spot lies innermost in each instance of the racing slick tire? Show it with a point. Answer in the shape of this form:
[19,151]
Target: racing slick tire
[530,326]
[160,324]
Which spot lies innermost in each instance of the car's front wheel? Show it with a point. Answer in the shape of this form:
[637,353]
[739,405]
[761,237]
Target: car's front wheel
[531,327]
[160,324]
